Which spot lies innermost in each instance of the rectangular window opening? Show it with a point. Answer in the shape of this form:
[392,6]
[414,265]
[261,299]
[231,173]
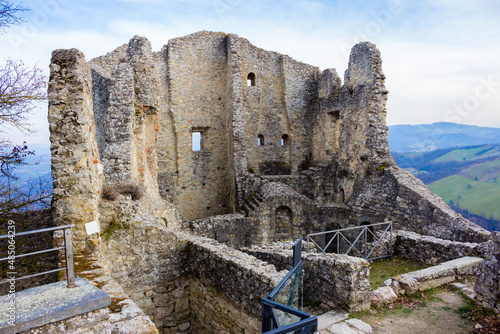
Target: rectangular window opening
[196,141]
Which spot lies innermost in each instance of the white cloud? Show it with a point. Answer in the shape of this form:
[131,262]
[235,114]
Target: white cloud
[434,52]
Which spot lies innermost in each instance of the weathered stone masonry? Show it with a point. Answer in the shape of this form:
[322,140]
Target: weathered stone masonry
[230,141]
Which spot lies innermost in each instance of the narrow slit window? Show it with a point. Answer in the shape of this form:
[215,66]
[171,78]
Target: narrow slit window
[260,140]
[196,141]
[284,140]
[251,79]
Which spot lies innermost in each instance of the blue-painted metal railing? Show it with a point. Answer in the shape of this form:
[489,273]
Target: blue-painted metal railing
[282,308]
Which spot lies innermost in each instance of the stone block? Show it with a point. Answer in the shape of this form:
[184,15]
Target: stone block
[383,295]
[360,325]
[342,328]
[50,303]
[141,324]
[332,317]
[409,284]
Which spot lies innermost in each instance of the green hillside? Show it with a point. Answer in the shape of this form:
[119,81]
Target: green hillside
[465,154]
[487,171]
[478,197]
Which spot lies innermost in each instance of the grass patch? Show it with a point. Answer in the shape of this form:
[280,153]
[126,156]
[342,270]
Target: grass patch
[383,269]
[403,306]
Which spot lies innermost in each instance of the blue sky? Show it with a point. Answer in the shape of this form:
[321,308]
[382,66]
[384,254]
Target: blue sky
[440,57]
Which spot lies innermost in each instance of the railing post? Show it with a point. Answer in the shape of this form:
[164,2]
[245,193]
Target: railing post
[297,253]
[70,271]
[266,317]
[391,239]
[366,231]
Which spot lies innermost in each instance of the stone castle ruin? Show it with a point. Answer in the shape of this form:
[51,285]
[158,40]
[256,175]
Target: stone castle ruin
[188,156]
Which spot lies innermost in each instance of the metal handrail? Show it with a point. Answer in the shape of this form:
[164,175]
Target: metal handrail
[283,282]
[68,247]
[269,305]
[305,319]
[365,229]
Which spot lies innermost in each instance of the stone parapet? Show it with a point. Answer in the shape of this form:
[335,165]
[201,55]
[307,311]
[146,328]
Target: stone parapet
[432,250]
[337,280]
[488,279]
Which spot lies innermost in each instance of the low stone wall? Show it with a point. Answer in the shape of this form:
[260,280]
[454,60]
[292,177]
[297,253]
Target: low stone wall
[488,280]
[431,250]
[240,278]
[339,280]
[184,283]
[212,312]
[234,230]
[147,259]
[435,276]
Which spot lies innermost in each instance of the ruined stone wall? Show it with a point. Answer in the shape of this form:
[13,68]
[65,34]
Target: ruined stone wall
[395,195]
[363,144]
[431,250]
[234,230]
[197,92]
[212,312]
[181,281]
[488,280]
[278,98]
[76,165]
[338,280]
[126,102]
[243,279]
[326,118]
[147,260]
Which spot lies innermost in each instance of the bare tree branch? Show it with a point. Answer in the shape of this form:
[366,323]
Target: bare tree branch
[8,14]
[34,194]
[20,87]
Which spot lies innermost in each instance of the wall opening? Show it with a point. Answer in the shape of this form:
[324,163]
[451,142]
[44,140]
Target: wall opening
[332,132]
[197,142]
[260,140]
[369,231]
[251,79]
[283,223]
[285,140]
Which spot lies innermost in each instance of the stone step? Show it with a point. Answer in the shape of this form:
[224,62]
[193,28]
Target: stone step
[252,205]
[435,276]
[247,208]
[336,322]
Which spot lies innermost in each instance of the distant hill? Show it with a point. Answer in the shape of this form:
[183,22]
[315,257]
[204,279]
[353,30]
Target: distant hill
[38,165]
[428,137]
[467,178]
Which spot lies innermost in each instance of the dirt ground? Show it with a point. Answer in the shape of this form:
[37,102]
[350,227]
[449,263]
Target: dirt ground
[438,316]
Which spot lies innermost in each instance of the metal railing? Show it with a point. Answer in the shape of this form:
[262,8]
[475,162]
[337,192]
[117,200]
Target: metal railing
[364,248]
[282,308]
[68,247]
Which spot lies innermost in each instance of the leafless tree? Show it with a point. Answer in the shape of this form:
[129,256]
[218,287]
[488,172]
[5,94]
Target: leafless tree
[21,87]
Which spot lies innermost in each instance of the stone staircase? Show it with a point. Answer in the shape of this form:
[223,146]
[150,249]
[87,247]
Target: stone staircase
[252,204]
